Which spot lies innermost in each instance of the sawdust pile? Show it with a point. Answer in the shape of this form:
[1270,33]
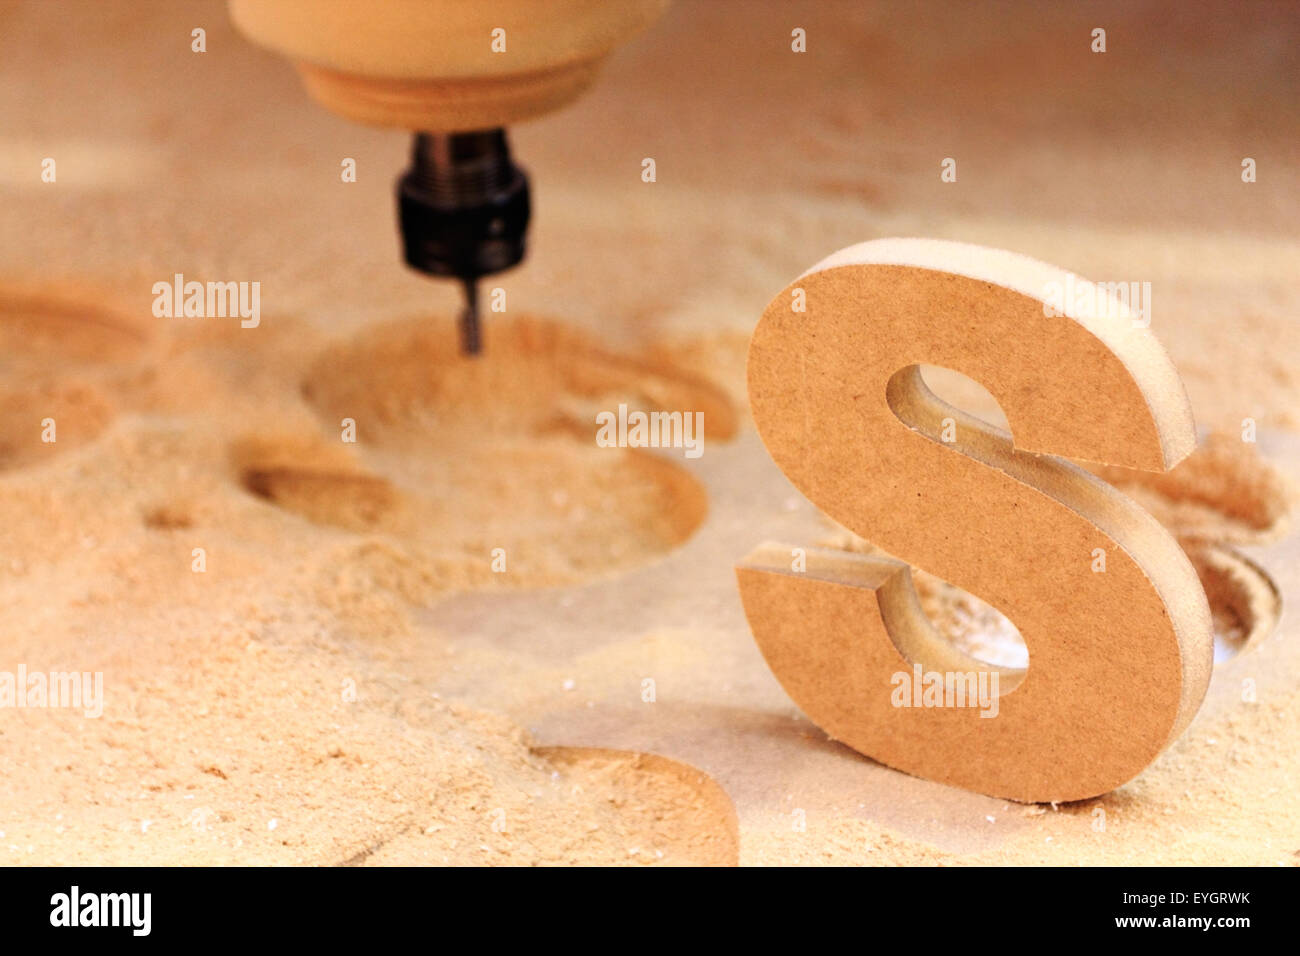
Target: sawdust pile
[230,582]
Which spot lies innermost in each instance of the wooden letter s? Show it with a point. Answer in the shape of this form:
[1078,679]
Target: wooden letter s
[1118,660]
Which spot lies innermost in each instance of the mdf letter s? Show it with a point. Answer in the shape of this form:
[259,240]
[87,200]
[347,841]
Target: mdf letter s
[1118,661]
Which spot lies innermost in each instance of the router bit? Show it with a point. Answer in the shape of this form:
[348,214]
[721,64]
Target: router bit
[464,208]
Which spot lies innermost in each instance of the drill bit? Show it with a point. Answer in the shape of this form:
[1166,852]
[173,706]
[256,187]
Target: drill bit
[469,333]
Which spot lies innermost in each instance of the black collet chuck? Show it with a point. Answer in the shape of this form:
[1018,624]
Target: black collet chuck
[463,207]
